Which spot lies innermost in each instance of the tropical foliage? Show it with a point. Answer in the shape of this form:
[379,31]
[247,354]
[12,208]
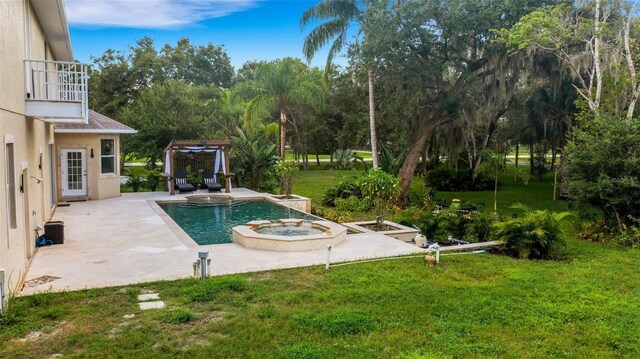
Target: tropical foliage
[253,158]
[279,87]
[536,234]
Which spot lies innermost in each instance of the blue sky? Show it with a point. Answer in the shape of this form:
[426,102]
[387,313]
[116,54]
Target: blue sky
[248,29]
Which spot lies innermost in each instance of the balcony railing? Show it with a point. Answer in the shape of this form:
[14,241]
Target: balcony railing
[57,91]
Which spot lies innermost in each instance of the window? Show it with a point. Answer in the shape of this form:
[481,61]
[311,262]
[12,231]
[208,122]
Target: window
[10,185]
[108,156]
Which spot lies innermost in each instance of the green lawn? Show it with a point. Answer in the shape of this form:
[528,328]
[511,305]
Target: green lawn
[313,183]
[535,194]
[470,306]
[312,158]
[474,305]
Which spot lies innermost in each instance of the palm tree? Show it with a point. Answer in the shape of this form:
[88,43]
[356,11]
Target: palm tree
[340,15]
[281,85]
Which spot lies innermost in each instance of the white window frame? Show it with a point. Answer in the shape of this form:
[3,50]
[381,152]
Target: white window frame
[10,183]
[114,155]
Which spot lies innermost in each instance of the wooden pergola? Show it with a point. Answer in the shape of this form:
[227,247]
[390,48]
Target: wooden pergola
[202,150]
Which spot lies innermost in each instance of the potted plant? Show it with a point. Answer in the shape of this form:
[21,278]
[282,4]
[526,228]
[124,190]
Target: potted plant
[381,189]
[285,170]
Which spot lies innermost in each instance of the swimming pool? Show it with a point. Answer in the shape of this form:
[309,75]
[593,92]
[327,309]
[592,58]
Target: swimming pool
[211,223]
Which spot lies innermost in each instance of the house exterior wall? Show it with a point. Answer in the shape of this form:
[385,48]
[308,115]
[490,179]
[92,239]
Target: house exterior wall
[99,186]
[21,37]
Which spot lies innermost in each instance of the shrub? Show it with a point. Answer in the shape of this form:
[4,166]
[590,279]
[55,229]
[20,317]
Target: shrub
[599,231]
[534,235]
[452,222]
[135,183]
[153,180]
[285,171]
[352,203]
[177,316]
[380,188]
[480,228]
[447,179]
[345,159]
[331,214]
[346,188]
[604,167]
[136,177]
[473,227]
[425,220]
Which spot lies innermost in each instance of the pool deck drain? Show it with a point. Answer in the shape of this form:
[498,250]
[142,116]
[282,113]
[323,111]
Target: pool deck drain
[123,241]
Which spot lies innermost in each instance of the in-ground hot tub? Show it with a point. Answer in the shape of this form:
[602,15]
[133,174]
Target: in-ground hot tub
[289,235]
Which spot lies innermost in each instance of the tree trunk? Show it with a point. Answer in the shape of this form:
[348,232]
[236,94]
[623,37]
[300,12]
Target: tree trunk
[553,157]
[515,173]
[531,158]
[372,120]
[411,160]
[596,54]
[635,90]
[283,133]
[317,159]
[555,184]
[495,194]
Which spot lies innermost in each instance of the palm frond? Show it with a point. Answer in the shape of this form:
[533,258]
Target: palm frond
[322,34]
[337,45]
[327,9]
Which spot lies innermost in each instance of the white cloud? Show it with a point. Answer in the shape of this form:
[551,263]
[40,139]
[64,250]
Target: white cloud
[150,13]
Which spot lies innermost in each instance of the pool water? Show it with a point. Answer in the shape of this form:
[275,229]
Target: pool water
[290,231]
[211,223]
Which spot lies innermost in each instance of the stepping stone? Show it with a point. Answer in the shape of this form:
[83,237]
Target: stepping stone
[146,297]
[151,305]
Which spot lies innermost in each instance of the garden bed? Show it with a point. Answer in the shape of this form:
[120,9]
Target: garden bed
[391,229]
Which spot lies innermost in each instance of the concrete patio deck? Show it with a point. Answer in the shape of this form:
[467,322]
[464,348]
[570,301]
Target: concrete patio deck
[124,240]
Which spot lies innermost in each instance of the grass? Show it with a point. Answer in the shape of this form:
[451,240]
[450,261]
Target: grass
[312,158]
[314,183]
[536,194]
[470,306]
[482,305]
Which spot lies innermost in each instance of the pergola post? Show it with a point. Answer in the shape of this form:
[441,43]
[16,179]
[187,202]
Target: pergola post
[227,179]
[172,180]
[207,146]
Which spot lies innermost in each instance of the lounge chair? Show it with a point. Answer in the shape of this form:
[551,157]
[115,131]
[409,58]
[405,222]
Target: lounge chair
[181,183]
[209,182]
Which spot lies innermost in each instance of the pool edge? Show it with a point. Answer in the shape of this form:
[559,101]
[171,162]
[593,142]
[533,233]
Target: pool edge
[175,228]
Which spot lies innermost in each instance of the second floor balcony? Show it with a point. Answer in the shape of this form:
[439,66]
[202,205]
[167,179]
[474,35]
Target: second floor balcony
[57,91]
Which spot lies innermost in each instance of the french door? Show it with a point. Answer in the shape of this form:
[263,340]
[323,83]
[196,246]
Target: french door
[74,172]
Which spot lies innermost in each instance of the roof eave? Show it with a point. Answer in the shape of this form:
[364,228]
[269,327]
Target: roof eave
[53,19]
[96,131]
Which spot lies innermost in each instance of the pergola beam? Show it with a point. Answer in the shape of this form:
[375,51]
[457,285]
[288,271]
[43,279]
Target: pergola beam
[185,146]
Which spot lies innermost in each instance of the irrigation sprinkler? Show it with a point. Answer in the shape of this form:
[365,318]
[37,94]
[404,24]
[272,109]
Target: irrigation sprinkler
[328,257]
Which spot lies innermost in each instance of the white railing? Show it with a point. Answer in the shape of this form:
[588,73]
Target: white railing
[57,81]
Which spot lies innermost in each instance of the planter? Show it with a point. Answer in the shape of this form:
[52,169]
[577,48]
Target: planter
[391,229]
[300,203]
